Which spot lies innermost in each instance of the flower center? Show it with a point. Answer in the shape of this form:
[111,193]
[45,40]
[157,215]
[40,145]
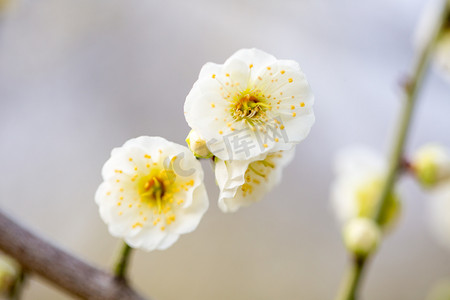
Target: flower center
[249,107]
[155,190]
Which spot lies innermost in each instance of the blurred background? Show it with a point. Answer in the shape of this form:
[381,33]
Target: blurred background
[78,78]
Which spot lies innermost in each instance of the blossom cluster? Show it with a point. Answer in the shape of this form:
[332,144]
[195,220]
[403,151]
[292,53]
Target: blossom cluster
[247,115]
[355,194]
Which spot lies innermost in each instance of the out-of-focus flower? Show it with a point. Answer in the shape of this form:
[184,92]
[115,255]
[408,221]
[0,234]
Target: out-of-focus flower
[152,192]
[9,270]
[361,236]
[252,104]
[441,291]
[4,4]
[355,192]
[439,208]
[198,145]
[431,164]
[426,26]
[442,56]
[242,183]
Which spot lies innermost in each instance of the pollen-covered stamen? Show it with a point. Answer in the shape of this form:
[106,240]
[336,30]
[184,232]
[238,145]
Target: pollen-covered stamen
[258,172]
[250,167]
[154,190]
[262,167]
[249,107]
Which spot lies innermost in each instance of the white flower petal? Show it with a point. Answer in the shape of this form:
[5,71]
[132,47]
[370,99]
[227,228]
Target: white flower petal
[439,212]
[354,166]
[343,197]
[255,57]
[221,172]
[209,69]
[168,241]
[188,218]
[142,241]
[359,160]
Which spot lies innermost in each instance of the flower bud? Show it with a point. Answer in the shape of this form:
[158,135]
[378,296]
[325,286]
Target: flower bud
[198,145]
[431,164]
[361,236]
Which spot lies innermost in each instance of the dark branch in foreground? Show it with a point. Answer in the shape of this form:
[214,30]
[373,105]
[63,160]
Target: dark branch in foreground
[59,267]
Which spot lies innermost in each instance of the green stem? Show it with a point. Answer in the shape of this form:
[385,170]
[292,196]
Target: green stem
[352,281]
[15,292]
[122,263]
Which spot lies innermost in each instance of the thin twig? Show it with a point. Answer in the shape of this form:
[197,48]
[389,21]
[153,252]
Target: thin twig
[59,267]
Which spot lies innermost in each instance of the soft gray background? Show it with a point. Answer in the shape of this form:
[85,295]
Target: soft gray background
[78,78]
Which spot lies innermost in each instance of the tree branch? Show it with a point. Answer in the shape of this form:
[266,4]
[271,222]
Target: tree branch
[59,267]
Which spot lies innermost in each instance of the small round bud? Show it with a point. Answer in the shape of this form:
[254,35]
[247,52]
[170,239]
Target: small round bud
[431,164]
[198,145]
[361,236]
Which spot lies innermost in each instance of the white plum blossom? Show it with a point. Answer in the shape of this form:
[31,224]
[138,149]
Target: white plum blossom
[431,164]
[243,182]
[354,194]
[152,192]
[250,105]
[439,212]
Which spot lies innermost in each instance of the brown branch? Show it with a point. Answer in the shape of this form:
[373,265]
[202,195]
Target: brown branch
[59,267]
